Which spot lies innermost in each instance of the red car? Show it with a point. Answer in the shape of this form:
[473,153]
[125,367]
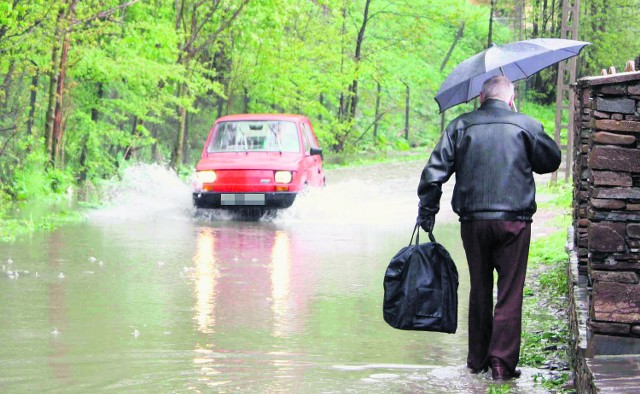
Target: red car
[260,161]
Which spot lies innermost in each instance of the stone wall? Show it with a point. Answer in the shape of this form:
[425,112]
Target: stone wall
[606,212]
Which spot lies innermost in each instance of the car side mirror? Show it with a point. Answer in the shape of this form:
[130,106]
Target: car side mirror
[316,151]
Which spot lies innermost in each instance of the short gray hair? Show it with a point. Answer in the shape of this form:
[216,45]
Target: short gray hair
[498,87]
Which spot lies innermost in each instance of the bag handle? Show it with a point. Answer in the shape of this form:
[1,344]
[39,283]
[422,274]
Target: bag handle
[416,233]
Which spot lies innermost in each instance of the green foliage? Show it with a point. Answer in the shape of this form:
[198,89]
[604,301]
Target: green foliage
[499,389]
[33,184]
[131,75]
[611,27]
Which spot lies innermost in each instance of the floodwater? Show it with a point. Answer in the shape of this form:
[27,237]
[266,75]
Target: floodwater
[149,296]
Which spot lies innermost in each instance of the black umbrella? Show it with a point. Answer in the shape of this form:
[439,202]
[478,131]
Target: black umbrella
[516,60]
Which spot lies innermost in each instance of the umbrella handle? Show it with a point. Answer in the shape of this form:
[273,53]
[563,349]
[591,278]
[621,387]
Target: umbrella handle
[513,106]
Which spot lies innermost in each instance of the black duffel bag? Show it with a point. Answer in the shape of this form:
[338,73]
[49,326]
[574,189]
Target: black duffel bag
[421,288]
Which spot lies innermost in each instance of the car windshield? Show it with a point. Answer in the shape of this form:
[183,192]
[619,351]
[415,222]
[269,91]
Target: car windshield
[261,135]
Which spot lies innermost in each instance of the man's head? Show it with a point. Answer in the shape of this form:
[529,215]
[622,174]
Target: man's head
[498,87]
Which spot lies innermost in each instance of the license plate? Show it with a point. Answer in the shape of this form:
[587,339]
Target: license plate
[242,199]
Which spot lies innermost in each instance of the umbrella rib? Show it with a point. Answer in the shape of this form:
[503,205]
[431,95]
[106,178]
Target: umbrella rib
[520,68]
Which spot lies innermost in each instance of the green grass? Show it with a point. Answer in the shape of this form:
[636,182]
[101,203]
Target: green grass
[12,227]
[545,335]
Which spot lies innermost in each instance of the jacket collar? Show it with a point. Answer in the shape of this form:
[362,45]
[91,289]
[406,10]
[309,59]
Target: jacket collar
[495,104]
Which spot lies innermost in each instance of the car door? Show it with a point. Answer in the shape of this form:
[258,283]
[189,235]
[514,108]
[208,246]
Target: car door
[313,163]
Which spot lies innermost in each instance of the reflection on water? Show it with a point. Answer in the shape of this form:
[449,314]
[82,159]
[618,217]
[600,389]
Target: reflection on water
[206,275]
[162,301]
[284,319]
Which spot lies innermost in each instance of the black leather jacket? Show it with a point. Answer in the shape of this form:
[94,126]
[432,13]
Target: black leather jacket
[494,152]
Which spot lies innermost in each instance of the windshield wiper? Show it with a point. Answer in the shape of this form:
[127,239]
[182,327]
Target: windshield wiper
[277,140]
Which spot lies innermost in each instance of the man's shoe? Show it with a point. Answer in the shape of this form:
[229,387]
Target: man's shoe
[500,372]
[478,370]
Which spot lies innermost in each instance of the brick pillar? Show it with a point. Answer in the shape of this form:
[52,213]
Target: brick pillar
[607,201]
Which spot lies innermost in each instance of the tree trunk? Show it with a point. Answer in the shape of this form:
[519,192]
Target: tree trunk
[342,104]
[58,69]
[51,106]
[178,148]
[377,113]
[58,130]
[154,146]
[490,35]
[353,92]
[32,107]
[185,141]
[407,108]
[453,45]
[6,85]
[128,153]
[95,116]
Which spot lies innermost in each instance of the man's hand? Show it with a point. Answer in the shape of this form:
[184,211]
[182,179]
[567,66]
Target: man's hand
[426,220]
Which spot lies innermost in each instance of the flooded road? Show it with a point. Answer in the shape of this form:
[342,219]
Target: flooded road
[149,296]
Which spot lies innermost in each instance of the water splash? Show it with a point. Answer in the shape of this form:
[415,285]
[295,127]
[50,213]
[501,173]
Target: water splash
[145,191]
[352,201]
[149,190]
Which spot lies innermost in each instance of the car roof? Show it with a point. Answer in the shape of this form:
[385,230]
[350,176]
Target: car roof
[289,117]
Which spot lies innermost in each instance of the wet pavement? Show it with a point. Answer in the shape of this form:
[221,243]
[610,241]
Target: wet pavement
[148,295]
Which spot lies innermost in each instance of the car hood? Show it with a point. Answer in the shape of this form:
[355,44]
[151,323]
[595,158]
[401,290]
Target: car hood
[250,161]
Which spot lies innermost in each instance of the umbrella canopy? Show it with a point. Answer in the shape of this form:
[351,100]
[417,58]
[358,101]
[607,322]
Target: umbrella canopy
[516,60]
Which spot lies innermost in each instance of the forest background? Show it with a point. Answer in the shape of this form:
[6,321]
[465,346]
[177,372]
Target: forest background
[89,86]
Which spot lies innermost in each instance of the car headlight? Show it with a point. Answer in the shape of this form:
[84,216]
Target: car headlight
[206,176]
[283,177]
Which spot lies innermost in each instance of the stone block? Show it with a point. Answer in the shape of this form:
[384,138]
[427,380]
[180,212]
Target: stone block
[610,328]
[611,178]
[630,257]
[608,204]
[583,222]
[634,118]
[617,125]
[616,302]
[635,330]
[599,115]
[617,116]
[633,230]
[603,137]
[614,276]
[613,265]
[615,90]
[620,372]
[607,237]
[613,216]
[616,192]
[618,105]
[614,158]
[633,207]
[634,89]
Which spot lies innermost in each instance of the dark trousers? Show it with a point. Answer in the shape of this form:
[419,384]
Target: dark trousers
[503,246]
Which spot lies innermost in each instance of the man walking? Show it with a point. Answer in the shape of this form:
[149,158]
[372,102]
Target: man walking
[494,152]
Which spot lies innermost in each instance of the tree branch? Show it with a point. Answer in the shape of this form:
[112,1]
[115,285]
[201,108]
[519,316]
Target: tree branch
[6,143]
[380,115]
[103,14]
[223,27]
